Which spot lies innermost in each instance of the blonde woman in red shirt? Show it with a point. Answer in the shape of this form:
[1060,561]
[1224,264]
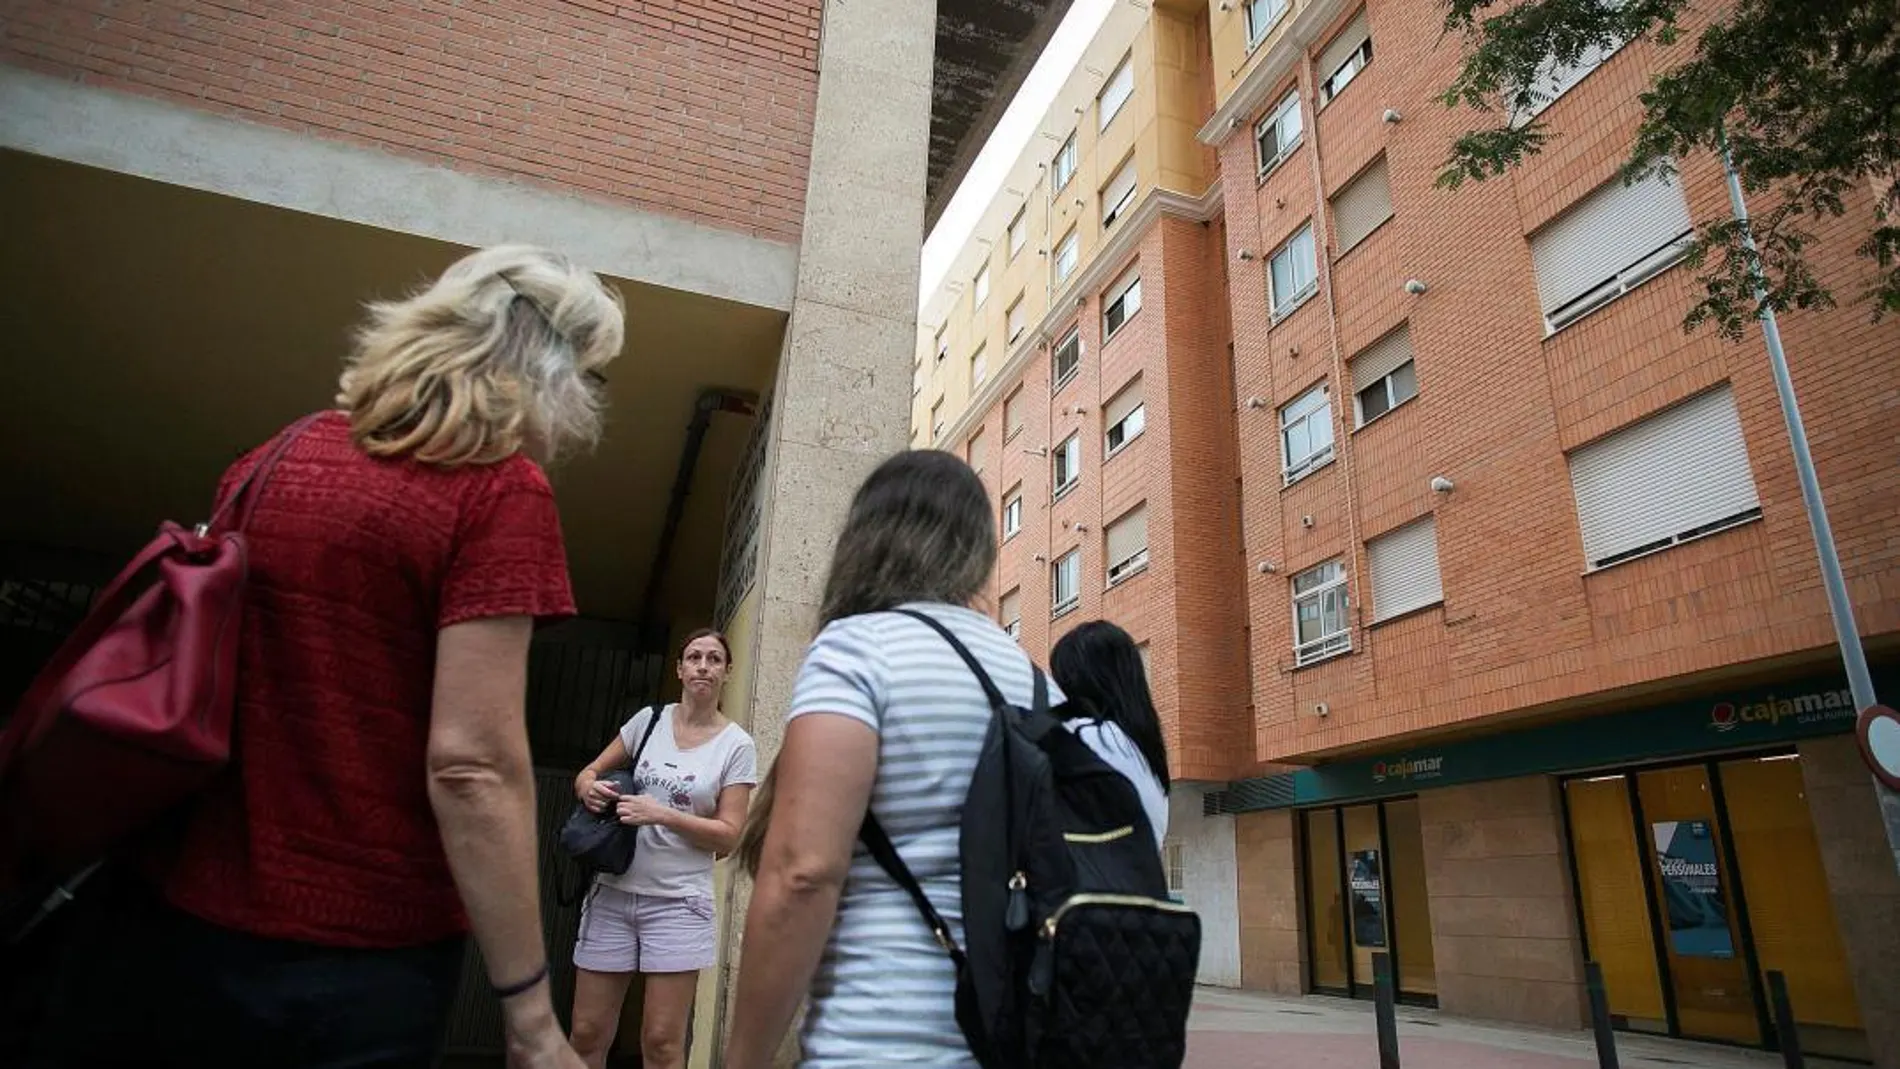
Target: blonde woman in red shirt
[380,803]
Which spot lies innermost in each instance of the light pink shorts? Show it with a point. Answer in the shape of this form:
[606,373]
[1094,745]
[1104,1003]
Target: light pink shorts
[624,932]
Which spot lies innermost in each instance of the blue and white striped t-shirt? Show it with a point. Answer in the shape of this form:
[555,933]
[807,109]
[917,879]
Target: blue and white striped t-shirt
[884,991]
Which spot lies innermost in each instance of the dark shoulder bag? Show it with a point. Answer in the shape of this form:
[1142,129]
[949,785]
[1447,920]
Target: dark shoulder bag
[598,841]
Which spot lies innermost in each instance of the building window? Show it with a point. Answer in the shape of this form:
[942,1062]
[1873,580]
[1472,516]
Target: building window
[1177,871]
[917,378]
[1018,232]
[1403,567]
[1342,60]
[1362,206]
[1279,133]
[1320,629]
[1306,434]
[979,452]
[1013,415]
[982,286]
[943,344]
[1067,254]
[1610,242]
[1121,302]
[1119,194]
[1013,511]
[1126,417]
[1065,583]
[1068,464]
[1383,377]
[1064,167]
[979,367]
[1294,274]
[1147,666]
[1068,357]
[936,421]
[1261,16]
[1015,321]
[1554,79]
[1675,476]
[1128,544]
[1116,91]
[1010,612]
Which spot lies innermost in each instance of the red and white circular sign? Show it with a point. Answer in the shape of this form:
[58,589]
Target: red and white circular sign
[1878,731]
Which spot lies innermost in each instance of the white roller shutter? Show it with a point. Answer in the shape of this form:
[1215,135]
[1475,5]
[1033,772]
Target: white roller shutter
[1013,415]
[1127,537]
[1122,404]
[1668,477]
[979,450]
[1359,208]
[1011,609]
[1118,194]
[1404,567]
[1344,45]
[1607,232]
[1382,357]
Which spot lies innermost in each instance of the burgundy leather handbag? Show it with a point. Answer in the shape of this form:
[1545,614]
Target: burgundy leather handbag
[139,698]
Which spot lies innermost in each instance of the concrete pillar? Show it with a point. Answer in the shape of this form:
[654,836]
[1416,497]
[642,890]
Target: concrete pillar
[1272,949]
[1861,881]
[841,403]
[1504,923]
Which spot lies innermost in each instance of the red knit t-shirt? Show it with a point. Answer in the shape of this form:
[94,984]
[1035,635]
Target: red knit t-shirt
[321,831]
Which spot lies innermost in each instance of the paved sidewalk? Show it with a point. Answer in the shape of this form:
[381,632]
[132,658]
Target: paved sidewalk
[1244,1030]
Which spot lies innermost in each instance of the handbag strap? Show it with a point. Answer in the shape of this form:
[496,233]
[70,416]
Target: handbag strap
[633,759]
[879,844]
[250,488]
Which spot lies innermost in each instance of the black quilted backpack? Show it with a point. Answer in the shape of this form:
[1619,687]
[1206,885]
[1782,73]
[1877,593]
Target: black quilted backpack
[1073,957]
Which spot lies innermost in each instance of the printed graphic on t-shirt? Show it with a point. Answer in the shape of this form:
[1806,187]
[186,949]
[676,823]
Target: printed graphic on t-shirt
[668,784]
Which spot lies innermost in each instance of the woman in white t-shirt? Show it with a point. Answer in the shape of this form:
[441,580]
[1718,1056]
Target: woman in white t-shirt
[695,780]
[1099,667]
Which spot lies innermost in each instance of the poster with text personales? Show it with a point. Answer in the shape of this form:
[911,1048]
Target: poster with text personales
[1692,889]
[1368,899]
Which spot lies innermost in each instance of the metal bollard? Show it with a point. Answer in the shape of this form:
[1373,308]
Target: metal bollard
[1600,1015]
[1385,1009]
[1785,1031]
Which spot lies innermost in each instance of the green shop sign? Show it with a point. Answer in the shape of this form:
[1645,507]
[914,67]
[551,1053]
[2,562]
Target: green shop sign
[1771,716]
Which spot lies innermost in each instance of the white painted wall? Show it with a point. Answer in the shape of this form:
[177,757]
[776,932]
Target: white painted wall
[1208,856]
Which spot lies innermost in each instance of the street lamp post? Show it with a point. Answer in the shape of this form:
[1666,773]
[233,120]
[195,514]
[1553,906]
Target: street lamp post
[1860,681]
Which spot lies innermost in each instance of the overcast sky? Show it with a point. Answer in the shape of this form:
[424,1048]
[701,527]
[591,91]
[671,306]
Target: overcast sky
[1019,123]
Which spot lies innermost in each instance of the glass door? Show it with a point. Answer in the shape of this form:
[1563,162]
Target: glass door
[1365,894]
[1325,902]
[1610,875]
[1690,877]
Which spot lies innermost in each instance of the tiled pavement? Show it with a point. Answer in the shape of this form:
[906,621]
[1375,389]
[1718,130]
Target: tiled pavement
[1243,1030]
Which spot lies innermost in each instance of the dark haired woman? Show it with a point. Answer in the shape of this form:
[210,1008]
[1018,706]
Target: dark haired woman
[884,717]
[695,778]
[1099,667]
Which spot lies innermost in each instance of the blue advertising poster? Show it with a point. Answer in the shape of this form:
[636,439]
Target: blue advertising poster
[1692,889]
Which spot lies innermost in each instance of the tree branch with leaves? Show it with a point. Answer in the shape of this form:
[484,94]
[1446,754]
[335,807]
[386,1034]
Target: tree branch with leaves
[1805,94]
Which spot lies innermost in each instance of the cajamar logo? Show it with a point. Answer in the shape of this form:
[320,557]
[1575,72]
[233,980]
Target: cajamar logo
[1408,768]
[1820,705]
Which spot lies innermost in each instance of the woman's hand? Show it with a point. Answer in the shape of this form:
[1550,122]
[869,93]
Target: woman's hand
[594,793]
[641,810]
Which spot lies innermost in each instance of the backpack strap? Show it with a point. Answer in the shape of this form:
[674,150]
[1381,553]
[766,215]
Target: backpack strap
[990,689]
[881,848]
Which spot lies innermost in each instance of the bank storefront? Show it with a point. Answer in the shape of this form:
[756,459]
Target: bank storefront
[1680,841]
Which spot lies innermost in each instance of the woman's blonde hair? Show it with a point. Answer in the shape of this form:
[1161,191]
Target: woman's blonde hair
[491,359]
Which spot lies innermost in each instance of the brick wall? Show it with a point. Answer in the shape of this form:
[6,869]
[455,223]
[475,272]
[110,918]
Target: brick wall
[1499,405]
[689,107]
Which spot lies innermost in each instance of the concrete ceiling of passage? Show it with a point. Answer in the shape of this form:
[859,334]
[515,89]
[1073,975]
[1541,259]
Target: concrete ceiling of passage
[155,332]
[985,48]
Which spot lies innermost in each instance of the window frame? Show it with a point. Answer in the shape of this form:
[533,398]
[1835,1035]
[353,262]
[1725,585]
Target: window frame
[1288,106]
[980,287]
[1018,232]
[1009,405]
[1360,419]
[979,366]
[1107,115]
[1358,60]
[1012,509]
[1058,606]
[1135,563]
[1013,329]
[1063,378]
[1137,415]
[1070,247]
[1012,627]
[1332,643]
[1115,213]
[1129,284]
[1061,488]
[1174,861]
[1276,310]
[1062,165]
[943,343]
[937,424]
[1291,471]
